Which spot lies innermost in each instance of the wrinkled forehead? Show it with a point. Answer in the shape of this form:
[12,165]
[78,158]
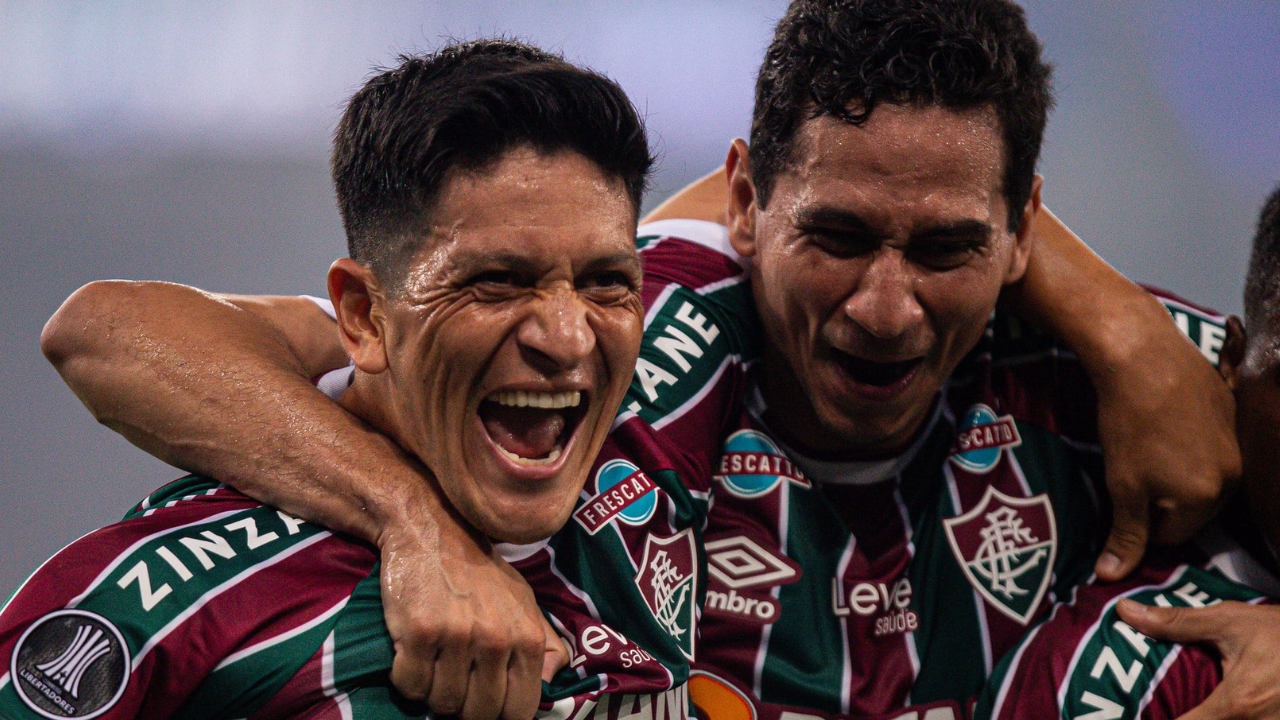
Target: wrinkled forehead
[534,209]
[947,164]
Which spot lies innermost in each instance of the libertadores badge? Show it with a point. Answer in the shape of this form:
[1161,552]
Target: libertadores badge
[668,580]
[70,664]
[1006,547]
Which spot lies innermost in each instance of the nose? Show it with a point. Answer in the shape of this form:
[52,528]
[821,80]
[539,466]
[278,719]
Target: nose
[884,303]
[556,335]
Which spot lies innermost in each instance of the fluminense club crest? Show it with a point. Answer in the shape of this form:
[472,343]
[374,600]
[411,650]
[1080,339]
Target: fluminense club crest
[1006,547]
[668,580]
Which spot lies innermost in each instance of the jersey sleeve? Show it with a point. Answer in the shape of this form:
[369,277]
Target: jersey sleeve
[1084,661]
[1205,328]
[700,337]
[200,600]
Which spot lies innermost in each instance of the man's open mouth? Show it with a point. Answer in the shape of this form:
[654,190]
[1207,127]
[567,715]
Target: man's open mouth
[532,428]
[876,374]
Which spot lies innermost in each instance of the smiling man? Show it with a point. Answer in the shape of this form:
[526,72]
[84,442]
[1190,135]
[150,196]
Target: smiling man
[491,307]
[856,463]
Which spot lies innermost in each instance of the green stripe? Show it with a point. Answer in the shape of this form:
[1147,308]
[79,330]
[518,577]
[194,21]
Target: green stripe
[240,688]
[169,593]
[804,661]
[1191,588]
[686,342]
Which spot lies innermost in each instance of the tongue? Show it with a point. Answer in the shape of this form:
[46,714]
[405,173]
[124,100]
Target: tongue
[531,433]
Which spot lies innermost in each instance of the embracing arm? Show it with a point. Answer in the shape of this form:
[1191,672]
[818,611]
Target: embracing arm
[1153,385]
[219,385]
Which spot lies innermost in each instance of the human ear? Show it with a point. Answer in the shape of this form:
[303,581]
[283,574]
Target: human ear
[357,300]
[1231,357]
[742,200]
[1024,238]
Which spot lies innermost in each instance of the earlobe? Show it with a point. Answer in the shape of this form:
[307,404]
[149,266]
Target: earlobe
[1231,357]
[1024,239]
[742,200]
[357,300]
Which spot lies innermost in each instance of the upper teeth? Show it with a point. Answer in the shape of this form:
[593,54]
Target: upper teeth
[522,398]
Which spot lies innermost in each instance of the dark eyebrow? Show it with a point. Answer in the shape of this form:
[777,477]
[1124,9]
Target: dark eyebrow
[628,259]
[835,219]
[467,261]
[959,229]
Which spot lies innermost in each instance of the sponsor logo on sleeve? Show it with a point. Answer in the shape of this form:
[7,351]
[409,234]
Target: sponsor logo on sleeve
[1006,547]
[667,579]
[752,465]
[623,492]
[741,574]
[982,438]
[70,664]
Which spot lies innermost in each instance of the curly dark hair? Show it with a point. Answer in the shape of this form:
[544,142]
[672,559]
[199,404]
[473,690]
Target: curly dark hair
[1262,283]
[463,107]
[843,57]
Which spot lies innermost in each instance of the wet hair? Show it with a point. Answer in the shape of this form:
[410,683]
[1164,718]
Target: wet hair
[463,108]
[1262,283]
[841,58]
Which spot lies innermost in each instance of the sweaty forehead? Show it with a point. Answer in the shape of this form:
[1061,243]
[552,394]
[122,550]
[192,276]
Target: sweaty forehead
[905,164]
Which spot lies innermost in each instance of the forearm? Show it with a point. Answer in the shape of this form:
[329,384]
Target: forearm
[1072,293]
[212,387]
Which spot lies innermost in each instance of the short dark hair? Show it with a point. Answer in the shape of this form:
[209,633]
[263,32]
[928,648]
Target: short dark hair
[1262,284]
[843,57]
[462,108]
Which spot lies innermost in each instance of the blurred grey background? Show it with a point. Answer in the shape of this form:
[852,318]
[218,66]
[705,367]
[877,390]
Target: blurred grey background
[188,142]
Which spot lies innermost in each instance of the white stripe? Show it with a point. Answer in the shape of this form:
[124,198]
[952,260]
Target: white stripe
[252,649]
[1017,659]
[4,680]
[698,397]
[762,652]
[721,284]
[129,551]
[908,637]
[846,675]
[1212,317]
[979,604]
[326,679]
[577,591]
[213,593]
[658,303]
[713,236]
[1173,579]
[1157,678]
[17,592]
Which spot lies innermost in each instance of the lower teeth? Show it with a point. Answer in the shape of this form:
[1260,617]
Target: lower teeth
[550,458]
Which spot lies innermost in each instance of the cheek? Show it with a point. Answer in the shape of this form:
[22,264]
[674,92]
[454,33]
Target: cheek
[618,332]
[958,302]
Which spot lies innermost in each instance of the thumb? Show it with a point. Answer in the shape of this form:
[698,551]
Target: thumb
[1130,524]
[555,655]
[1172,624]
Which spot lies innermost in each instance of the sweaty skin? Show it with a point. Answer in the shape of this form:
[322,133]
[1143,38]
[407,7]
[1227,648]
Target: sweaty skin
[249,351]
[515,290]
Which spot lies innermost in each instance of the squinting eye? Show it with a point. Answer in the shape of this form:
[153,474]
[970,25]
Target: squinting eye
[607,281]
[493,277]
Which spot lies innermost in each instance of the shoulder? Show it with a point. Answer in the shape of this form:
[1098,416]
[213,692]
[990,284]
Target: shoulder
[192,574]
[699,317]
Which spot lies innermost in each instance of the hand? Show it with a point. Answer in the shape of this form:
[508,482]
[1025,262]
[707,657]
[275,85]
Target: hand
[468,637]
[1166,422]
[1247,637]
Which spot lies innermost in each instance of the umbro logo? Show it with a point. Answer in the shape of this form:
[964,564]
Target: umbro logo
[739,563]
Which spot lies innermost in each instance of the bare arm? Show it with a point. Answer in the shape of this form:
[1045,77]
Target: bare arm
[1153,384]
[220,385]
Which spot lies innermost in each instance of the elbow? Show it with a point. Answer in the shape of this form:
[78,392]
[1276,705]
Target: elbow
[85,320]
